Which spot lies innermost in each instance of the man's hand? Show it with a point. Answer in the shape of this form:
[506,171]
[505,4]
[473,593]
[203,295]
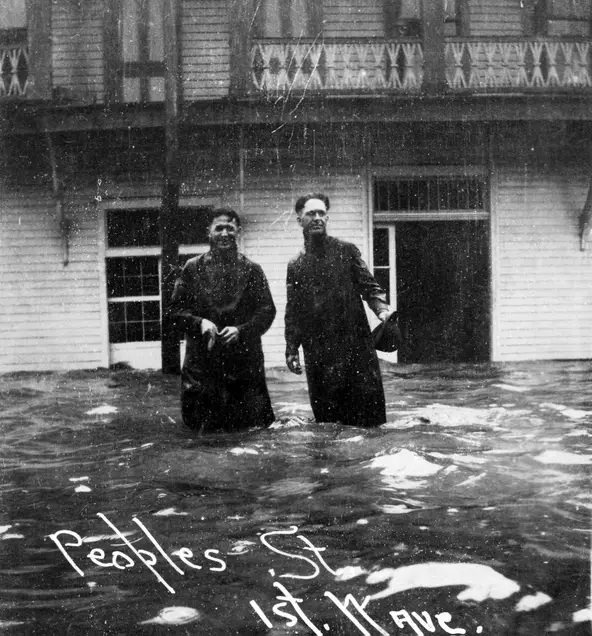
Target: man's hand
[228,335]
[209,331]
[293,362]
[385,314]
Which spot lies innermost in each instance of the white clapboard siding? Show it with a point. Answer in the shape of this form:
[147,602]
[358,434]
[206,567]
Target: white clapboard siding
[77,47]
[543,282]
[495,18]
[272,236]
[50,314]
[205,49]
[353,18]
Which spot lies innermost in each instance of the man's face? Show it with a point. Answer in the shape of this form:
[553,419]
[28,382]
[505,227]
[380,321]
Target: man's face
[313,218]
[223,233]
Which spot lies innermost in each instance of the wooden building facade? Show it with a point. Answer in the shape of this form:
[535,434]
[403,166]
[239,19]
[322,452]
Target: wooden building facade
[452,137]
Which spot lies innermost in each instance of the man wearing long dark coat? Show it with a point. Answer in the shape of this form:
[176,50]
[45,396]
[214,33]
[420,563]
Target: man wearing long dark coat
[325,315]
[223,303]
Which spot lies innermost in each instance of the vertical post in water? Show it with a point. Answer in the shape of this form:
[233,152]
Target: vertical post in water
[171,184]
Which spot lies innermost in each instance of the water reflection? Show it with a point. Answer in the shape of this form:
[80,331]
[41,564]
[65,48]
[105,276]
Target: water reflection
[473,500]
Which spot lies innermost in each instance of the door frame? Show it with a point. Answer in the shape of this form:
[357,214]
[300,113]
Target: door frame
[389,220]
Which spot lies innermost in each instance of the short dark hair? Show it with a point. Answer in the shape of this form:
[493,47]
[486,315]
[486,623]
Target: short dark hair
[299,206]
[228,212]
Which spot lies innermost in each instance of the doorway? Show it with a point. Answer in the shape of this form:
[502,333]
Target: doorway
[443,298]
[431,254]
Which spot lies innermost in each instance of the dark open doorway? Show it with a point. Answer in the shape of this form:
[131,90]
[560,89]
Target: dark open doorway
[443,291]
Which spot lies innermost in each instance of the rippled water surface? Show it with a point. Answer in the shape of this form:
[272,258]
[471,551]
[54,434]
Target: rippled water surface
[469,510]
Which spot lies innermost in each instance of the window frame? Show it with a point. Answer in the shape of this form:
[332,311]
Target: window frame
[105,252]
[543,15]
[418,173]
[314,18]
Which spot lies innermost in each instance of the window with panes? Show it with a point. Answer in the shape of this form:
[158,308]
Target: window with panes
[133,268]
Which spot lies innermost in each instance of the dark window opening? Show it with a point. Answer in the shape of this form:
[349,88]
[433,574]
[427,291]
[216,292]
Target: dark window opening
[287,19]
[431,194]
[563,17]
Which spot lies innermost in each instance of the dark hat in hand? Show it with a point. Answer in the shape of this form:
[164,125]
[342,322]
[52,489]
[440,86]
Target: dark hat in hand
[387,335]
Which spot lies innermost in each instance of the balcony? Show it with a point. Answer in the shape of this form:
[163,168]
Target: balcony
[376,66]
[14,63]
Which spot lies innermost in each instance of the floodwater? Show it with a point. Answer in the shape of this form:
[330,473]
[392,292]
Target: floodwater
[469,510]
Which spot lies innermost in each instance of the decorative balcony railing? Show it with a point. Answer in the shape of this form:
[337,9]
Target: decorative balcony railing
[376,66]
[14,69]
[286,67]
[527,64]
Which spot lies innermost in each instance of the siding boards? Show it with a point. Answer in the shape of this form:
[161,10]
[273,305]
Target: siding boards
[77,49]
[544,307]
[353,18]
[49,313]
[205,49]
[495,18]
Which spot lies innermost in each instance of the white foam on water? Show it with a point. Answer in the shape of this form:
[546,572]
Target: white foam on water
[362,522]
[293,422]
[404,463]
[78,479]
[449,416]
[12,535]
[175,615]
[106,537]
[578,432]
[396,509]
[169,512]
[512,387]
[82,488]
[349,572]
[241,547]
[574,414]
[3,529]
[583,615]
[357,438]
[563,457]
[243,451]
[461,459]
[147,445]
[128,449]
[480,581]
[532,601]
[9,624]
[471,480]
[106,409]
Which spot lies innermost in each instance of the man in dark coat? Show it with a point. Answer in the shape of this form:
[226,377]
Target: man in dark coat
[223,303]
[324,313]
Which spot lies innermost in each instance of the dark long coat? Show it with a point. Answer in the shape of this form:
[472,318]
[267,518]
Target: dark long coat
[325,314]
[225,388]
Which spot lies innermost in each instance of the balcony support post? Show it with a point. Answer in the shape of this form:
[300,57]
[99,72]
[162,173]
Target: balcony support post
[434,77]
[169,210]
[242,17]
[39,37]
[586,219]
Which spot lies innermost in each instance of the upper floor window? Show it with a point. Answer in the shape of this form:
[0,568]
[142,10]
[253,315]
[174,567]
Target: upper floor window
[13,15]
[287,18]
[402,18]
[142,47]
[563,17]
[14,61]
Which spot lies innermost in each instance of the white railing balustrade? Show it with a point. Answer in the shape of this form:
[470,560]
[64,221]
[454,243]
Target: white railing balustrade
[14,70]
[375,66]
[288,67]
[527,64]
